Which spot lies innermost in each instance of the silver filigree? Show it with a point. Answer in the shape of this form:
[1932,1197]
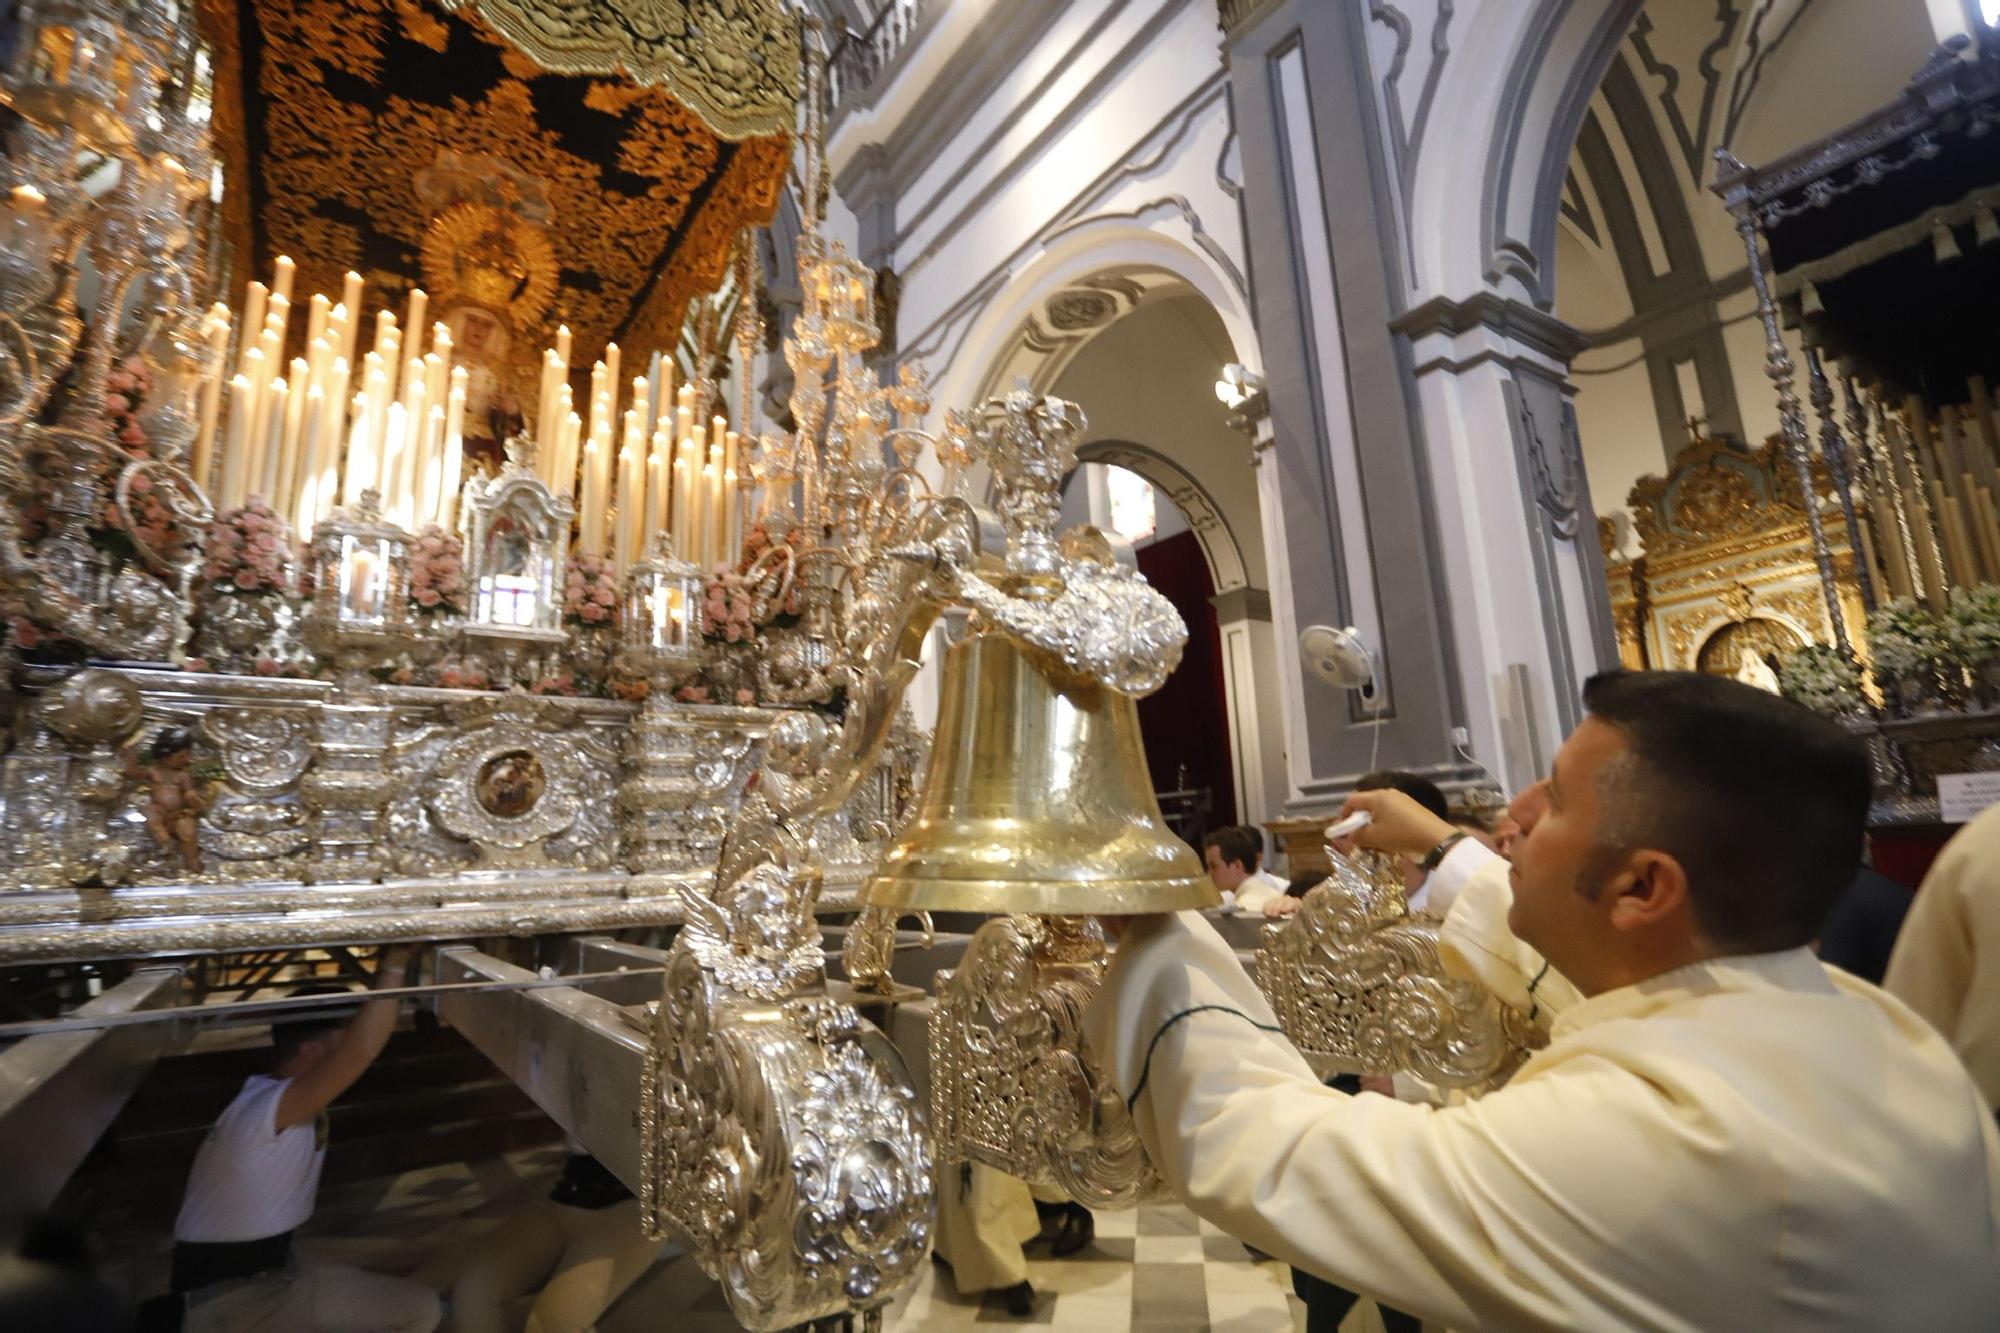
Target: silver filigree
[1358,987]
[1012,1085]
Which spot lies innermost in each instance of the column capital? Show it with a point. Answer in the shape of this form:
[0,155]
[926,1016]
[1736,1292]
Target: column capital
[1504,329]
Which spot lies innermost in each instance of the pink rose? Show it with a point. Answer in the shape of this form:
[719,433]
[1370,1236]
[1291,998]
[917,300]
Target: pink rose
[246,579]
[141,483]
[428,597]
[119,382]
[198,664]
[117,404]
[746,697]
[267,666]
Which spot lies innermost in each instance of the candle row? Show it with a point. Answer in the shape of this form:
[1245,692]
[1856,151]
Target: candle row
[320,430]
[1934,507]
[298,438]
[651,468]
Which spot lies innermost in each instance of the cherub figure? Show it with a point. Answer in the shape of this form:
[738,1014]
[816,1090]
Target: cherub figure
[174,800]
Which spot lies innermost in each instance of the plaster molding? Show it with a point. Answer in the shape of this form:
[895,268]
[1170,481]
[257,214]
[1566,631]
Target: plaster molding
[1522,325]
[1245,603]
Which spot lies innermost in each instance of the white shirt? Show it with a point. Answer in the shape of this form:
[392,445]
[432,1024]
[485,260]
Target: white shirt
[251,1181]
[1256,889]
[1947,960]
[1750,1143]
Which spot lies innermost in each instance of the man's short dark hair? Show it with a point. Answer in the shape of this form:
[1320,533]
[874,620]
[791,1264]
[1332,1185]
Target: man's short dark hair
[1763,802]
[1418,788]
[1236,842]
[288,1034]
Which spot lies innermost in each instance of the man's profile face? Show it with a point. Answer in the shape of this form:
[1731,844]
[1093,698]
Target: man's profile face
[1225,875]
[1557,864]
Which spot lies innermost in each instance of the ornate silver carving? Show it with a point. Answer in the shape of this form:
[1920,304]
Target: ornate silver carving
[779,1139]
[513,783]
[1012,1085]
[1358,986]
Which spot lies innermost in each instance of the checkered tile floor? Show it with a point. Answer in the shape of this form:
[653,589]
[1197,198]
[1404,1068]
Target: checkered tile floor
[1150,1271]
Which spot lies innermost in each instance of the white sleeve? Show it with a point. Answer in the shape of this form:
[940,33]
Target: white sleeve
[1471,887]
[1437,1212]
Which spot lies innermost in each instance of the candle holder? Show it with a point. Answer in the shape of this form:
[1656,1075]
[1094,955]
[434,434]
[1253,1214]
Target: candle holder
[359,617]
[659,636]
[839,298]
[675,758]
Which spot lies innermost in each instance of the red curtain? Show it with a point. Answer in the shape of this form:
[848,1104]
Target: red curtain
[1186,721]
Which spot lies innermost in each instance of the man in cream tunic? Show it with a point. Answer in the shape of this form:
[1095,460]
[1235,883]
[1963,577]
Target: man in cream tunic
[1720,1134]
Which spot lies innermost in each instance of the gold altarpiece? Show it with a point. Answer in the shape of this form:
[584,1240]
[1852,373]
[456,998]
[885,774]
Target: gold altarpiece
[1727,584]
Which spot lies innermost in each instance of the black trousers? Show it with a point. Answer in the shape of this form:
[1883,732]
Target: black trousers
[1327,1304]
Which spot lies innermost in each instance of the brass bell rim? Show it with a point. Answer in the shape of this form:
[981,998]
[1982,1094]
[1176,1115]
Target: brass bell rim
[1088,897]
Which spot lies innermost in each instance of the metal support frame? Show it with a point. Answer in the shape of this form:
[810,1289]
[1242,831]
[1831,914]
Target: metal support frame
[58,1092]
[576,1055]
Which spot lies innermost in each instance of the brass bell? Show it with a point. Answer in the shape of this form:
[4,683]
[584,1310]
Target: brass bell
[1037,800]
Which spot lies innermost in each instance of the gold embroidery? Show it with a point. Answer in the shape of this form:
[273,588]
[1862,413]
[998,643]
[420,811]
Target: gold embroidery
[352,99]
[734,62]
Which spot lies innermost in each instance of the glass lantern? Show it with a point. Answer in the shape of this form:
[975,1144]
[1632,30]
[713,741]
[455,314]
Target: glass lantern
[660,633]
[359,617]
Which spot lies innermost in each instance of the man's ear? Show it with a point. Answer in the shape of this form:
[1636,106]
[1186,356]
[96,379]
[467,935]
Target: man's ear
[1650,887]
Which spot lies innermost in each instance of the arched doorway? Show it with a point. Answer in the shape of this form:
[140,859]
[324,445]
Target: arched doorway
[1187,722]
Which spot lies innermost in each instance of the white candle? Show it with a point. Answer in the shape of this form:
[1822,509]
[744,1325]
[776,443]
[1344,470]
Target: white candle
[454,449]
[659,473]
[304,502]
[733,496]
[413,322]
[281,286]
[332,431]
[395,443]
[572,438]
[256,295]
[359,474]
[203,461]
[430,499]
[236,445]
[711,524]
[273,446]
[592,535]
[292,429]
[317,313]
[364,585]
[545,415]
[350,300]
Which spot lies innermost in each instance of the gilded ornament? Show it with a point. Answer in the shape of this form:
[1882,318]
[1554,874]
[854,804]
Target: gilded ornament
[734,62]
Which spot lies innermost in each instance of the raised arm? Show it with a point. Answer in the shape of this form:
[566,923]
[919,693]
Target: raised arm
[360,1042]
[1465,1216]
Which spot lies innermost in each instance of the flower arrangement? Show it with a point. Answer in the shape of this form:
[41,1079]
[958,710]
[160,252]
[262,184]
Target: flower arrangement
[1822,678]
[1972,625]
[560,681]
[246,549]
[728,608]
[1911,650]
[454,674]
[735,605]
[437,574]
[125,393]
[590,594]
